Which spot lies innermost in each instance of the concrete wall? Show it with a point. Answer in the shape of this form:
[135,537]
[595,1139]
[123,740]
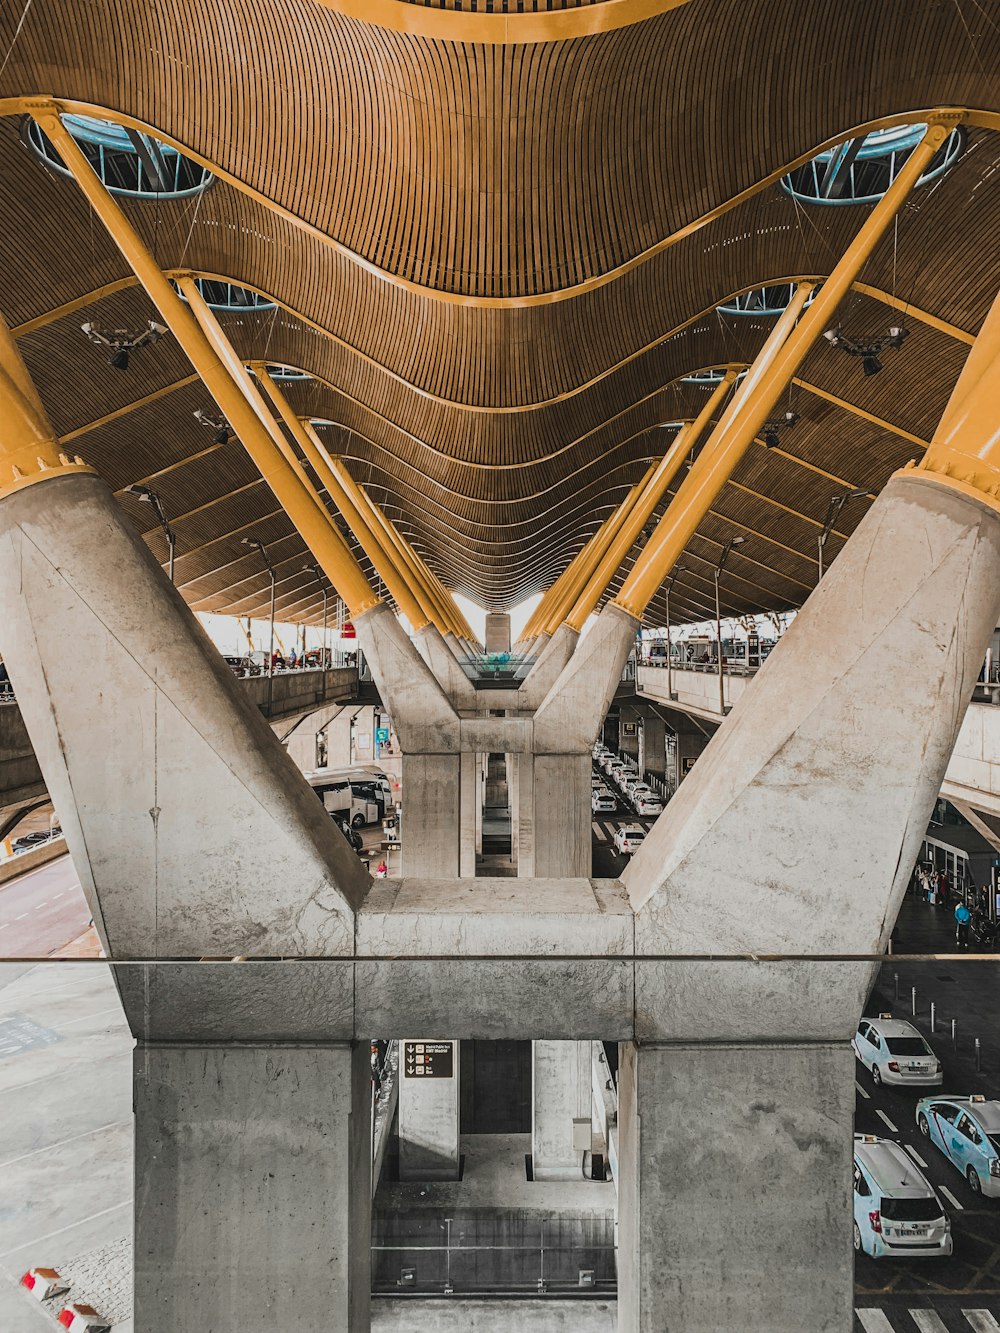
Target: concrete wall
[694,692]
[297,691]
[20,776]
[973,774]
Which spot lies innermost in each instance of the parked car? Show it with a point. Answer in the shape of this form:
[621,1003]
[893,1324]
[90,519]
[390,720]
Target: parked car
[895,1052]
[896,1210]
[351,834]
[628,839]
[647,803]
[602,802]
[238,665]
[967,1131]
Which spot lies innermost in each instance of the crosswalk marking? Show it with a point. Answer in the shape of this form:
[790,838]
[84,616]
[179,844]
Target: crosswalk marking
[982,1321]
[874,1321]
[950,1197]
[882,1116]
[915,1155]
[861,1090]
[927,1321]
[599,833]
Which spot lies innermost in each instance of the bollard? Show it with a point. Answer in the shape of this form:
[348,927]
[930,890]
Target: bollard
[895,978]
[979,1057]
[954,1032]
[913,1001]
[933,1016]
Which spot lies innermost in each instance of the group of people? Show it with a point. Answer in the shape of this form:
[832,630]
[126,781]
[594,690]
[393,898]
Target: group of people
[935,887]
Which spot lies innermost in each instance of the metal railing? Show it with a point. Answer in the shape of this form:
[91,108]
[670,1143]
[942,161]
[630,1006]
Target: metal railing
[493,1252]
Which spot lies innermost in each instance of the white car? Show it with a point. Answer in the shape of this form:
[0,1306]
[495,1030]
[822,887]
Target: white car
[896,1209]
[632,783]
[647,803]
[628,839]
[895,1052]
[602,802]
[606,761]
[596,781]
[967,1131]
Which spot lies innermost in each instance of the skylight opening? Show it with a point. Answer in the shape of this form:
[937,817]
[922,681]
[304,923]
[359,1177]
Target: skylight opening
[128,161]
[859,171]
[762,300]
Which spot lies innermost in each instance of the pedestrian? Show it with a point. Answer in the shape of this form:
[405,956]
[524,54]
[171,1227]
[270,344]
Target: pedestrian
[962,918]
[932,890]
[944,889]
[381,870]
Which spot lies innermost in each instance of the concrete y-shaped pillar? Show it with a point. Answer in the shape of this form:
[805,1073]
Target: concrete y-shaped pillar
[193,833]
[795,835]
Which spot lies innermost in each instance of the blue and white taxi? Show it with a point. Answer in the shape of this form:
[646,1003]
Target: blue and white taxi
[895,1052]
[897,1212]
[967,1131]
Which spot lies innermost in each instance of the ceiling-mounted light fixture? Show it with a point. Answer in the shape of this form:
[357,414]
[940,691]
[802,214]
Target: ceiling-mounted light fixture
[121,343]
[221,430]
[868,349]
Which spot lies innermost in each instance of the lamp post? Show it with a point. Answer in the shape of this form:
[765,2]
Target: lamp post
[666,593]
[150,497]
[733,541]
[315,570]
[833,512]
[258,545]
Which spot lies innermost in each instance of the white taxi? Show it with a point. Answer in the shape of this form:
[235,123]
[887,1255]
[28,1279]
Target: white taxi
[628,839]
[896,1210]
[895,1052]
[967,1131]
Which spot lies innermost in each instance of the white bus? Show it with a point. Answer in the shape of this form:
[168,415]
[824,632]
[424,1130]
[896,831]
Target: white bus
[359,794]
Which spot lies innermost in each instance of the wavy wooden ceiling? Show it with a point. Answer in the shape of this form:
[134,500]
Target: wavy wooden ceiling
[475,250]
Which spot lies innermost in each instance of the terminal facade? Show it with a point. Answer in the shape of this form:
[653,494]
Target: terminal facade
[658,314]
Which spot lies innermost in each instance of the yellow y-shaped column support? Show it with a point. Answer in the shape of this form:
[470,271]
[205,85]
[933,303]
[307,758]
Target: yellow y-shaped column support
[29,451]
[318,459]
[294,495]
[765,383]
[669,465]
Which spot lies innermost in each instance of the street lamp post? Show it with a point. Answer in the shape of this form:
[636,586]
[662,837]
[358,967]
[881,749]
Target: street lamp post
[666,592]
[150,497]
[315,569]
[833,512]
[733,541]
[258,545]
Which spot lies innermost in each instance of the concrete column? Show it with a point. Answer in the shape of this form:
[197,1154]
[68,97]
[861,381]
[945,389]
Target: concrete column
[561,1093]
[690,744]
[497,632]
[652,746]
[428,1110]
[431,815]
[562,817]
[253,1187]
[735,1160]
[628,733]
[471,818]
[522,815]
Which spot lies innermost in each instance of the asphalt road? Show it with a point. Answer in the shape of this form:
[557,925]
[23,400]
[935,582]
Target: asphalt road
[41,911]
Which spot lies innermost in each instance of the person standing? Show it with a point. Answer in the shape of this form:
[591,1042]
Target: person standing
[962,918]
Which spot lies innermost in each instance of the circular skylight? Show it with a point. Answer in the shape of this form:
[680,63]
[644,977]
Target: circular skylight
[128,161]
[859,171]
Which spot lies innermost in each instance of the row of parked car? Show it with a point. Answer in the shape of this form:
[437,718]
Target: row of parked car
[897,1211]
[617,781]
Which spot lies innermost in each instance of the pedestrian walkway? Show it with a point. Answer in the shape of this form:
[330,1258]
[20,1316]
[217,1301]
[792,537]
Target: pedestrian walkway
[921,1320]
[921,928]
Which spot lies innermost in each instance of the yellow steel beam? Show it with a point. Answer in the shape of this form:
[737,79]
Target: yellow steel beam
[762,390]
[685,439]
[542,612]
[595,552]
[317,458]
[965,451]
[297,499]
[29,451]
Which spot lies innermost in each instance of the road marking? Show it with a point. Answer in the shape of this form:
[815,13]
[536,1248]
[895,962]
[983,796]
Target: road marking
[5,925]
[874,1321]
[866,1095]
[982,1321]
[927,1321]
[58,896]
[951,1198]
[51,1147]
[30,1244]
[39,906]
[882,1116]
[916,1156]
[21,917]
[599,833]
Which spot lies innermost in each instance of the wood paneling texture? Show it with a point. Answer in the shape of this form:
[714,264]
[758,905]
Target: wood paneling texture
[437,175]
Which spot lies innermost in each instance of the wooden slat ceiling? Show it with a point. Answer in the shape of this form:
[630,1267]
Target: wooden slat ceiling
[486,256]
